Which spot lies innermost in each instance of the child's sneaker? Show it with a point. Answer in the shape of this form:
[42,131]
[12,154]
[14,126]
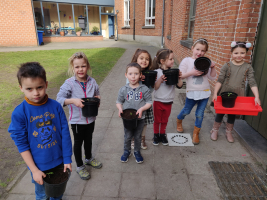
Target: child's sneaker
[132,143]
[138,157]
[163,139]
[125,156]
[93,162]
[83,173]
[156,139]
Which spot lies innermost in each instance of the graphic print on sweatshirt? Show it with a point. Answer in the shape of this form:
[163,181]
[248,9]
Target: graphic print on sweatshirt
[197,80]
[44,130]
[136,95]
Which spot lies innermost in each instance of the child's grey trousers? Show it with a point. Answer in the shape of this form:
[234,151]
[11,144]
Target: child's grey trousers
[134,133]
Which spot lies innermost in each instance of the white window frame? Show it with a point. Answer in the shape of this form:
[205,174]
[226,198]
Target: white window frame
[127,17]
[148,19]
[192,14]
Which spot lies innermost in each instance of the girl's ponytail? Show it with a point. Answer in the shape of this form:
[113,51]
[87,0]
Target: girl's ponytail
[161,54]
[155,63]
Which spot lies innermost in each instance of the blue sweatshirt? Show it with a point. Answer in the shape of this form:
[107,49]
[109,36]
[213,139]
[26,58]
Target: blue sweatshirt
[43,130]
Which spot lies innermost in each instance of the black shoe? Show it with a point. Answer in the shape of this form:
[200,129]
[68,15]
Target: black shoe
[156,139]
[163,139]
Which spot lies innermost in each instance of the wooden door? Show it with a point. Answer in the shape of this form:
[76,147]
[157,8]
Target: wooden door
[259,63]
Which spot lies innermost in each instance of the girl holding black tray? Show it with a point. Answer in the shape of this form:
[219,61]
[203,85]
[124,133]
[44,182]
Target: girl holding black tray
[197,87]
[232,78]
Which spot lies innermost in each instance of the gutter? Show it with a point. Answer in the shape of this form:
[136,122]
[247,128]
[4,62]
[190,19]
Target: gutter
[133,19]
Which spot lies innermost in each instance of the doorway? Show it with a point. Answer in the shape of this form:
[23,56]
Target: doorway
[111,25]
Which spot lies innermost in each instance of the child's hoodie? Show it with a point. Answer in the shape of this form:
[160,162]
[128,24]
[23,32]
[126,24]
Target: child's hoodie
[134,98]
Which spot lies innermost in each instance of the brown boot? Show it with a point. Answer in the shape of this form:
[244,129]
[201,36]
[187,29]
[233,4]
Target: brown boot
[143,142]
[229,136]
[179,126]
[214,131]
[195,135]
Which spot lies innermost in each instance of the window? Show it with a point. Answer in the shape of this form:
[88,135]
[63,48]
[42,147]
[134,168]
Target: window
[150,12]
[66,19]
[126,13]
[192,14]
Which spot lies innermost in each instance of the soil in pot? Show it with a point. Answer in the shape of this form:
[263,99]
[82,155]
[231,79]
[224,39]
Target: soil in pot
[55,182]
[202,64]
[172,76]
[90,108]
[150,77]
[129,118]
[228,99]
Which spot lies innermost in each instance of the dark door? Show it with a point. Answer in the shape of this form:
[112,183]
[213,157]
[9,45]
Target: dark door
[259,63]
[110,25]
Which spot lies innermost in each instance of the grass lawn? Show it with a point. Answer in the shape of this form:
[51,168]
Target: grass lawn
[56,65]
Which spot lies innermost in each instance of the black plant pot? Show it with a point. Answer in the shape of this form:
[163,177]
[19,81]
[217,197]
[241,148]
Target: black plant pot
[56,190]
[90,108]
[172,76]
[228,99]
[129,123]
[150,77]
[202,64]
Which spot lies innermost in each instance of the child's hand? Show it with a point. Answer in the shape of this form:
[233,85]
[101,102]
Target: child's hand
[67,166]
[195,72]
[139,112]
[180,74]
[214,98]
[142,78]
[120,112]
[257,101]
[98,98]
[78,103]
[212,64]
[38,177]
[162,78]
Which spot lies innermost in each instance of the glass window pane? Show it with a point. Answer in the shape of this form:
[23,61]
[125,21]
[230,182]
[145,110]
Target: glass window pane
[51,18]
[81,18]
[93,17]
[191,32]
[148,8]
[154,7]
[107,10]
[66,20]
[38,15]
[125,10]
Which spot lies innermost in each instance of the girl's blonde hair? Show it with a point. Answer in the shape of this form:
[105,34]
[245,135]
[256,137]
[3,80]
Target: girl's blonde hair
[202,41]
[78,55]
[161,54]
[137,54]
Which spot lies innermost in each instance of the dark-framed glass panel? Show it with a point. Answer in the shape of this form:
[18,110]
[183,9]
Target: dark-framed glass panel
[81,18]
[94,20]
[66,19]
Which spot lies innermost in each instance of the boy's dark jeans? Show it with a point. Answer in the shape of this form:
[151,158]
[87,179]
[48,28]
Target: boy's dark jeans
[136,133]
[82,133]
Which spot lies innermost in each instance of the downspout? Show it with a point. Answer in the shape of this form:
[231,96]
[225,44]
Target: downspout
[36,31]
[117,27]
[134,20]
[163,13]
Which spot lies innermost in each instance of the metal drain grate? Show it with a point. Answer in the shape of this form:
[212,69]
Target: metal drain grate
[239,181]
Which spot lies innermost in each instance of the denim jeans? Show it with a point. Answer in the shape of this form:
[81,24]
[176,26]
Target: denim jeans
[134,133]
[189,104]
[40,192]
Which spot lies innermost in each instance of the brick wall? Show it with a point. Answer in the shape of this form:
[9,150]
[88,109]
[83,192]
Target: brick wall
[17,23]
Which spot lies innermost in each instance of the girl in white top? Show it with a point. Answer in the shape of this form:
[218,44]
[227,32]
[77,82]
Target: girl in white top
[197,87]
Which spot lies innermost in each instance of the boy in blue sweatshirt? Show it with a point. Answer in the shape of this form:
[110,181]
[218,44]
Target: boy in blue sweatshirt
[39,128]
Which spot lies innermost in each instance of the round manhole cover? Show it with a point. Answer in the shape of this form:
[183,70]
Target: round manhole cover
[179,139]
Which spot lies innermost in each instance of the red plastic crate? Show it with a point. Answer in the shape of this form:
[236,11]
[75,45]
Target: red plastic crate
[243,106]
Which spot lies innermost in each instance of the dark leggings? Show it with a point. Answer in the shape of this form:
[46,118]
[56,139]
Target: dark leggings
[230,119]
[82,133]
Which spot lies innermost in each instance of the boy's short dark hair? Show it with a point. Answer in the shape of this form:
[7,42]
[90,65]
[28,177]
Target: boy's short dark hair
[31,70]
[133,64]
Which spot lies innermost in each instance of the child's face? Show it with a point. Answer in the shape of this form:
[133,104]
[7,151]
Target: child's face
[133,75]
[80,69]
[143,60]
[199,50]
[34,88]
[168,63]
[239,54]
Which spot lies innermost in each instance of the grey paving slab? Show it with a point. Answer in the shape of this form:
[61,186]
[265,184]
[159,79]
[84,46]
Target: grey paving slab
[173,186]
[103,184]
[21,197]
[204,187]
[137,186]
[111,162]
[25,185]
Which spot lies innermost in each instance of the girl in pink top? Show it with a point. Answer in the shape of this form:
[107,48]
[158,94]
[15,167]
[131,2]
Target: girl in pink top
[197,87]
